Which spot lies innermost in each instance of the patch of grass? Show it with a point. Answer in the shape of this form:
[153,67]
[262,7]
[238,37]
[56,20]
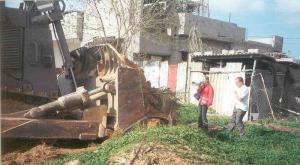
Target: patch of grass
[259,146]
[188,113]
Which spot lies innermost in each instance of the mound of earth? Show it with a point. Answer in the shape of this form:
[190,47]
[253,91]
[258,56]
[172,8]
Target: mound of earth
[39,154]
[156,154]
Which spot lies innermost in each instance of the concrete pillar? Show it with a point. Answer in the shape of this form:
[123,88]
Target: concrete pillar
[176,56]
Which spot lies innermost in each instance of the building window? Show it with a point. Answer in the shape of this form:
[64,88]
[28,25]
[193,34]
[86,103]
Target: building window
[217,64]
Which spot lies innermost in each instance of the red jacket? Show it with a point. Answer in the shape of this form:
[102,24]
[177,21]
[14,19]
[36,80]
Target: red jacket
[206,94]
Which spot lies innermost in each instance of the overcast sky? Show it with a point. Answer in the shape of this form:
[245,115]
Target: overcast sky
[261,18]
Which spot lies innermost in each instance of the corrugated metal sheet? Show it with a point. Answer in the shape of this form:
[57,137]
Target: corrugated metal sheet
[234,55]
[181,80]
[156,72]
[222,80]
[223,84]
[231,53]
[181,77]
[163,74]
[150,68]
[195,66]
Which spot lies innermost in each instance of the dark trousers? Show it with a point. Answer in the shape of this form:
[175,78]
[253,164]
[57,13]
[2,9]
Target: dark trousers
[202,121]
[237,121]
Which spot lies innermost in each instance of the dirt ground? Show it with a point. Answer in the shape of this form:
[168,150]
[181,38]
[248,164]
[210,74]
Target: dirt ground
[277,127]
[156,154]
[281,128]
[211,127]
[33,152]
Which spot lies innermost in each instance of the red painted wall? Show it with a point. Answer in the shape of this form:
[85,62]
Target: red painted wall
[172,77]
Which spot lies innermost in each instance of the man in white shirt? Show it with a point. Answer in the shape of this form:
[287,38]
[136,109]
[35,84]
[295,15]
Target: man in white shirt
[241,96]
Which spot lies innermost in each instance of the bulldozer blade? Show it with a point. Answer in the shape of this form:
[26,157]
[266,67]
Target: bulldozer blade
[49,129]
[129,101]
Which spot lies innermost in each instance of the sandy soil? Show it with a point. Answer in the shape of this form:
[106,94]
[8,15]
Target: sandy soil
[39,153]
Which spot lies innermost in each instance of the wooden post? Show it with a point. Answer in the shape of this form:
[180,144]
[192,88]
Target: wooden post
[250,91]
[187,79]
[265,89]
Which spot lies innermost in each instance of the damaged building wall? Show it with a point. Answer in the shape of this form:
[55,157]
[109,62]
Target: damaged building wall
[211,28]
[152,44]
[215,46]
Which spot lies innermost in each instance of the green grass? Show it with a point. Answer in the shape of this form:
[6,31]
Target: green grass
[259,146]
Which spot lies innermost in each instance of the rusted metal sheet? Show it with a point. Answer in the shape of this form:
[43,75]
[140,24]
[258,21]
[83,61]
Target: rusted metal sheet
[223,84]
[95,113]
[19,114]
[130,96]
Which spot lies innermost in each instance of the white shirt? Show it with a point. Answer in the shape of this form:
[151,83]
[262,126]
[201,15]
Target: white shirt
[243,93]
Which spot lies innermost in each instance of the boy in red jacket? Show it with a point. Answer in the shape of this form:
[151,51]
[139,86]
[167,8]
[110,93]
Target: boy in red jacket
[206,92]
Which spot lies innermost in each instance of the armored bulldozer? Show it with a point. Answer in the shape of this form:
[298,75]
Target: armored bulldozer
[98,91]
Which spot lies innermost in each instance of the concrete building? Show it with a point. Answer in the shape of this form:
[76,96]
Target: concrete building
[167,53]
[173,45]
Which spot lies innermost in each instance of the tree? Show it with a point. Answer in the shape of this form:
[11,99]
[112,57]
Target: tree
[195,40]
[126,19]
